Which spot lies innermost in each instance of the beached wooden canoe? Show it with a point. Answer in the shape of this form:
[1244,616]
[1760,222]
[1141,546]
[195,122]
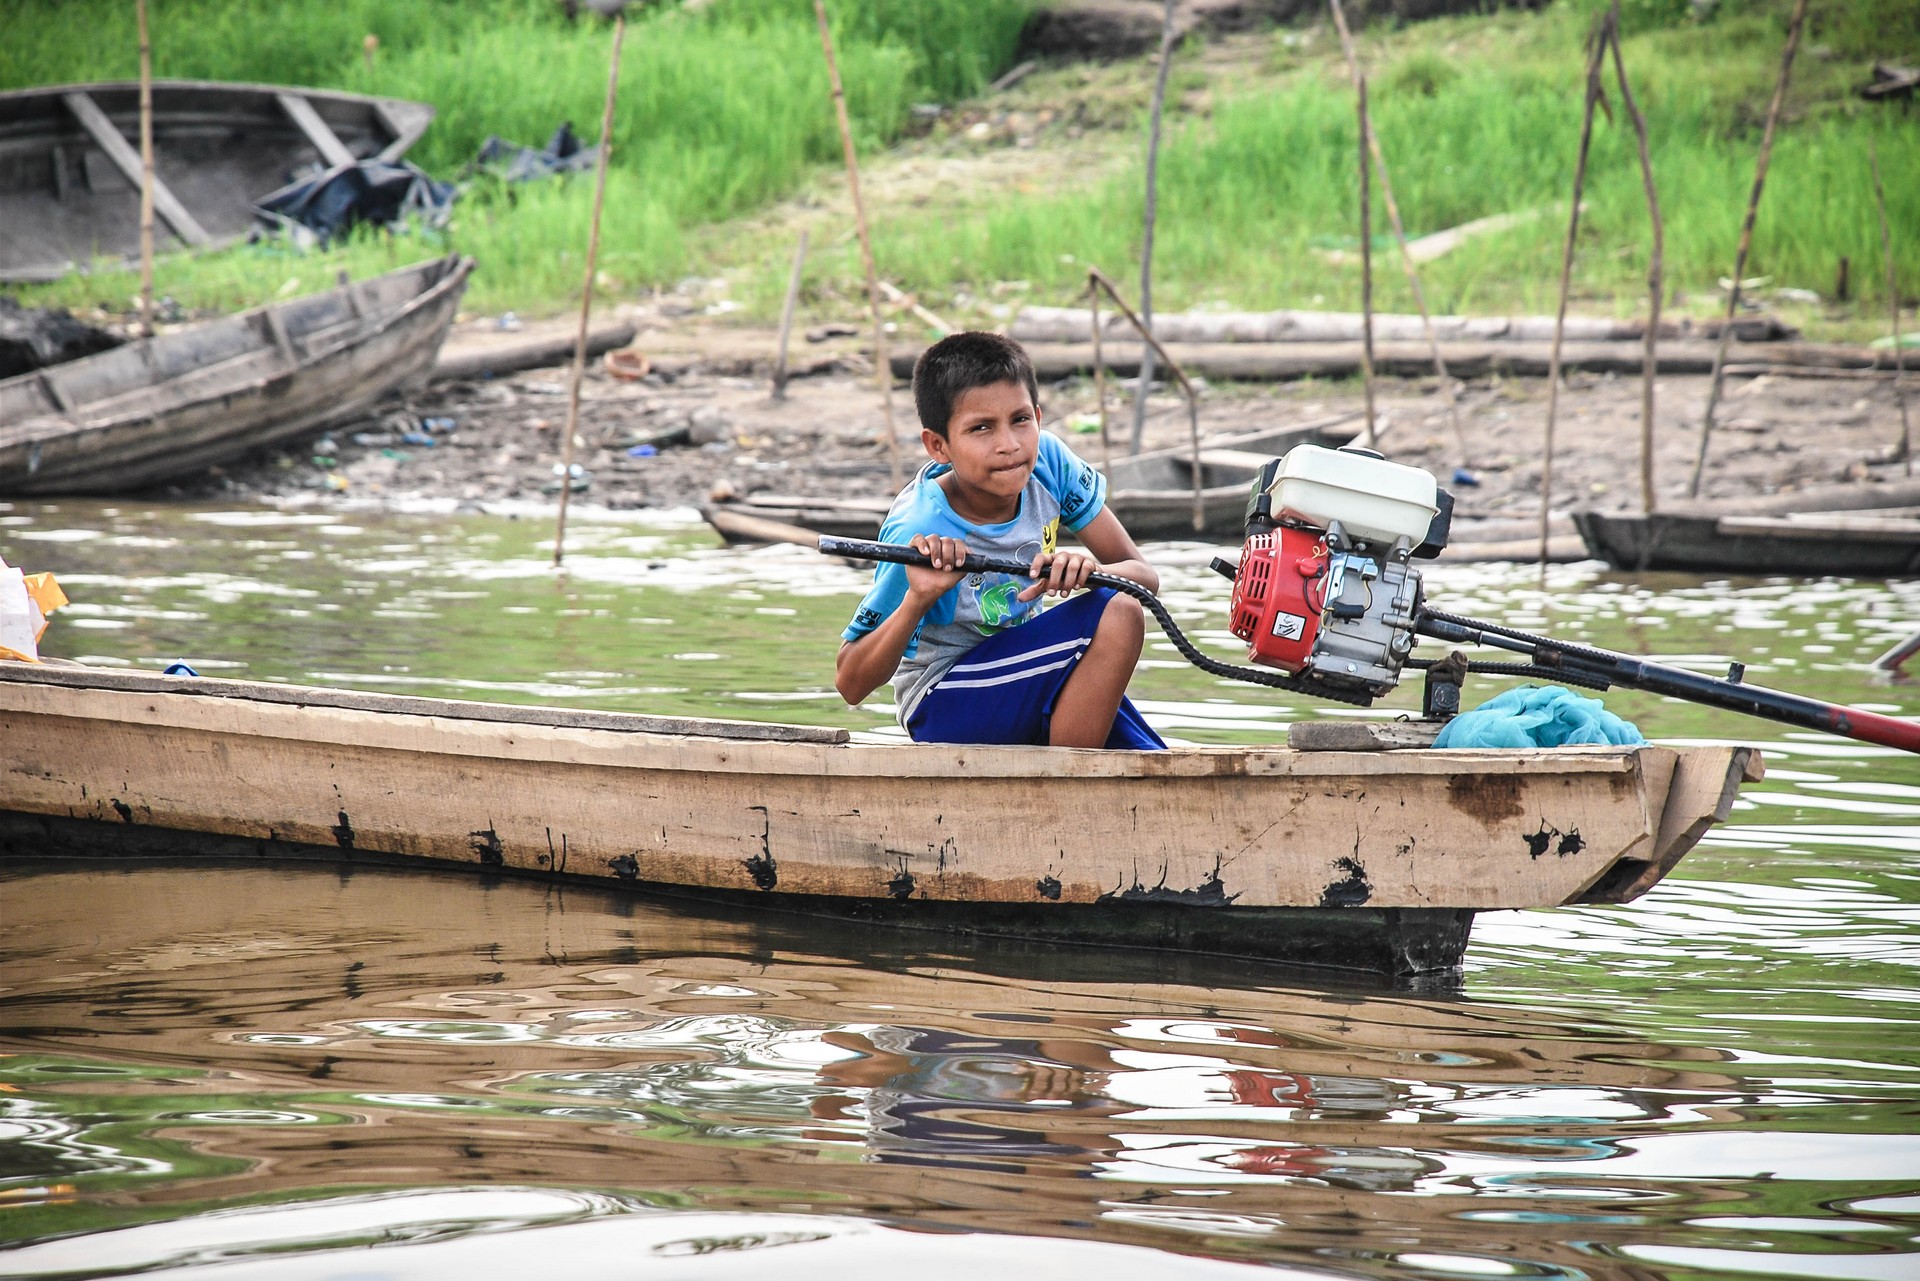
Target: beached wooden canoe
[172,406]
[70,162]
[1151,493]
[1850,544]
[1373,860]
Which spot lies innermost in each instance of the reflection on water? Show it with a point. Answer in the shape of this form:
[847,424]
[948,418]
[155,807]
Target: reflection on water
[232,1050]
[512,1232]
[296,1071]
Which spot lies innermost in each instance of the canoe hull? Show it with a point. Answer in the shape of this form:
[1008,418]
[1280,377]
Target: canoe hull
[1398,942]
[164,408]
[1151,493]
[1756,546]
[1192,849]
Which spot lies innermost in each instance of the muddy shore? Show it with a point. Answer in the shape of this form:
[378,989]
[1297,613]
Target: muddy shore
[702,424]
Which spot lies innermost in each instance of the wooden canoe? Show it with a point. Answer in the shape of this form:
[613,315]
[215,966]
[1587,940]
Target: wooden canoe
[1151,493]
[70,162]
[1371,860]
[1849,544]
[171,406]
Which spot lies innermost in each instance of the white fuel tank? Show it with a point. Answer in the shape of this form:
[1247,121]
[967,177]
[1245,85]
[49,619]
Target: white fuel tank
[1374,499]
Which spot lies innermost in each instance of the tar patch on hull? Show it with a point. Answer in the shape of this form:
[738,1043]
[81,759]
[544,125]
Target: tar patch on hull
[1351,890]
[763,869]
[1210,892]
[1548,837]
[486,846]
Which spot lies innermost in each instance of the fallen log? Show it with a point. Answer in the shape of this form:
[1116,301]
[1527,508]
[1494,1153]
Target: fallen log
[1853,497]
[1072,324]
[1276,362]
[1560,551]
[1488,529]
[1807,371]
[471,356]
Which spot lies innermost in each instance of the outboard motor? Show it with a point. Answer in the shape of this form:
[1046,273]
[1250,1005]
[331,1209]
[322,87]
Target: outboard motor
[1326,588]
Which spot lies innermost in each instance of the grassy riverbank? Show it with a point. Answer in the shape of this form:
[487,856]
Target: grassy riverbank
[726,146]
[1478,116]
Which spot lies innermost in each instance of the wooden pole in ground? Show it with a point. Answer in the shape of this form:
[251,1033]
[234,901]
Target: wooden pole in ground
[1096,276]
[786,317]
[586,290]
[1596,62]
[1400,236]
[1145,384]
[1099,376]
[1893,311]
[146,172]
[1656,271]
[1794,25]
[883,368]
[1370,434]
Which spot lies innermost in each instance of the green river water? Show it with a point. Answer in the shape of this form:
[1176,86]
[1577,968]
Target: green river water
[306,1072]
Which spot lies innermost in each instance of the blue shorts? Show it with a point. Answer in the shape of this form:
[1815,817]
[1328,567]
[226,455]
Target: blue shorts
[1003,691]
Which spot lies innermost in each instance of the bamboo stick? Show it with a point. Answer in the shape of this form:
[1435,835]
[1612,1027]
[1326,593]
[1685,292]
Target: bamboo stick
[1370,434]
[1892,660]
[1656,272]
[1893,311]
[1400,236]
[586,289]
[1596,62]
[1099,377]
[1096,277]
[146,172]
[1794,25]
[897,298]
[786,317]
[1145,385]
[883,368]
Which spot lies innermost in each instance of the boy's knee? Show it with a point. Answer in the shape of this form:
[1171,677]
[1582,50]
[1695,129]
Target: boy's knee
[1124,617]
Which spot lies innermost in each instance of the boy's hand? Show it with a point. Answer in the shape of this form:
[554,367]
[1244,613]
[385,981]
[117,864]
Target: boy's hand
[926,584]
[1059,574]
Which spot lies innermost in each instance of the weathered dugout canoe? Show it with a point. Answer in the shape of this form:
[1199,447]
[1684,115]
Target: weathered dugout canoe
[1362,860]
[1854,544]
[70,162]
[1151,493]
[170,406]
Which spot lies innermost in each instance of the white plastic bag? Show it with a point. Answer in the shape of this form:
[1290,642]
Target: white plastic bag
[25,602]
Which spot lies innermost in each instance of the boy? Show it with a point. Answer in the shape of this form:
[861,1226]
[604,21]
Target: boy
[972,657]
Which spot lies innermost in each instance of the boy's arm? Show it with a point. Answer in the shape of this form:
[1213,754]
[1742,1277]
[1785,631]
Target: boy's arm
[866,664]
[1113,552]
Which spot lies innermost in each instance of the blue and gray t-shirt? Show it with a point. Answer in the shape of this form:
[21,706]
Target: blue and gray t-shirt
[1063,490]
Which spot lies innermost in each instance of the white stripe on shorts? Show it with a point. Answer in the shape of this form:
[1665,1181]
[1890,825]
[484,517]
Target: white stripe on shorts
[1042,652]
[1007,678]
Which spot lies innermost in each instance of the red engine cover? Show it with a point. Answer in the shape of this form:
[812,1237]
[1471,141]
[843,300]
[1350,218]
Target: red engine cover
[1278,594]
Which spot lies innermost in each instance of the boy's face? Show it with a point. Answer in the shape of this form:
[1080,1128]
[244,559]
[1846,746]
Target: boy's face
[992,441]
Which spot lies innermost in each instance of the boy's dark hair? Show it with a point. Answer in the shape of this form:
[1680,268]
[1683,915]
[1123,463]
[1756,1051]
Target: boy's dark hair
[960,362]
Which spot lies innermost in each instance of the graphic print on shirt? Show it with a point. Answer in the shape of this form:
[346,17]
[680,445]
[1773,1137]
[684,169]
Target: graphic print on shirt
[997,605]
